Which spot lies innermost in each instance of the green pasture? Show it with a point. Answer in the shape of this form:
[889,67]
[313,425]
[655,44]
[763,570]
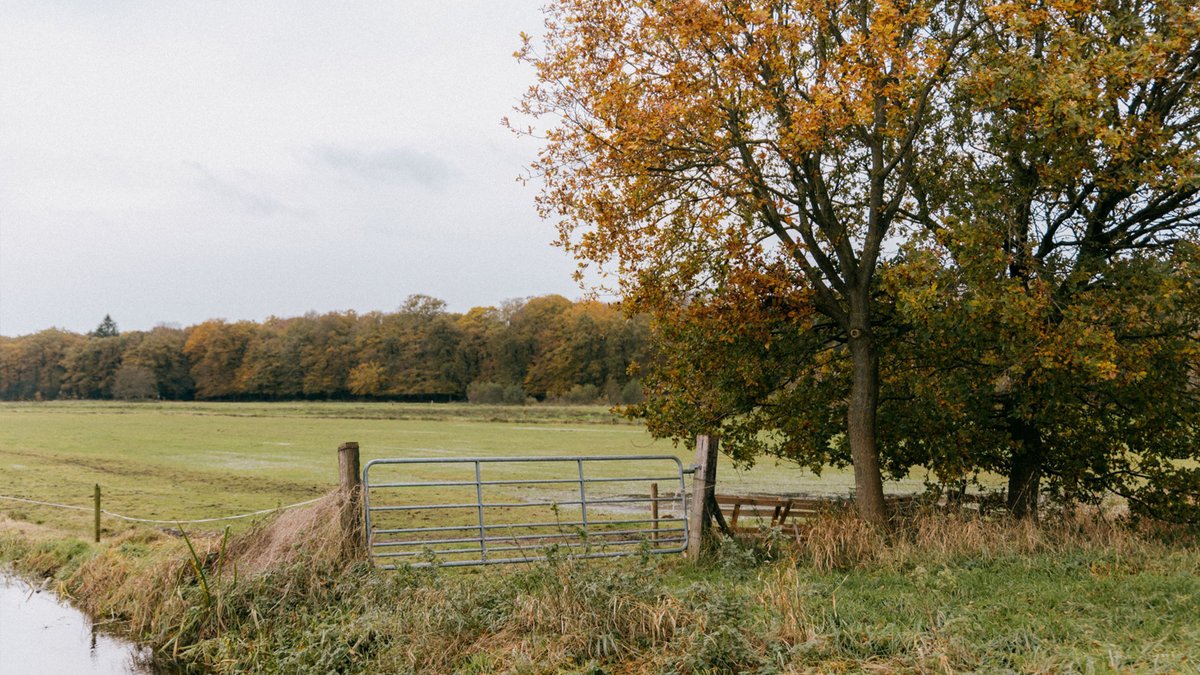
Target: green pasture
[944,594]
[198,460]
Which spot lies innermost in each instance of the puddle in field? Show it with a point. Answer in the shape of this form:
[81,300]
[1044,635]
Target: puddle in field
[40,634]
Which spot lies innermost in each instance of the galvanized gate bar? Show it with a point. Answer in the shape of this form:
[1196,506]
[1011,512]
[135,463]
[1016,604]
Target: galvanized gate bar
[447,528]
[479,499]
[414,542]
[596,531]
[520,505]
[531,481]
[583,499]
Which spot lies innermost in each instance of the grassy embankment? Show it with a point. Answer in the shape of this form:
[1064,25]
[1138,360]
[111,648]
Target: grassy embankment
[937,594]
[940,594]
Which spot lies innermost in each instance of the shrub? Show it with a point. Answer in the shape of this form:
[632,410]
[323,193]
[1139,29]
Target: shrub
[631,393]
[582,394]
[494,393]
[628,394]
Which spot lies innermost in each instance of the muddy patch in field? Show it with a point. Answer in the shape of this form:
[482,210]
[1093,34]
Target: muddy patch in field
[582,430]
[181,476]
[242,462]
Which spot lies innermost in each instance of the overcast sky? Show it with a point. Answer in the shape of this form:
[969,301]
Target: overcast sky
[180,161]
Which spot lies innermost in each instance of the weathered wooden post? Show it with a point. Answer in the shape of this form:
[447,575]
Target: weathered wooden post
[350,486]
[96,495]
[704,484]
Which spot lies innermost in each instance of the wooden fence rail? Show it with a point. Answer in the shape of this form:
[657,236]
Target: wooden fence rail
[787,513]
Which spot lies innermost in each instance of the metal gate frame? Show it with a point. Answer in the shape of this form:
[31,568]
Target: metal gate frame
[587,534]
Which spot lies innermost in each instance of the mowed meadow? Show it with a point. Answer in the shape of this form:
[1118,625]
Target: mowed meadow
[187,461]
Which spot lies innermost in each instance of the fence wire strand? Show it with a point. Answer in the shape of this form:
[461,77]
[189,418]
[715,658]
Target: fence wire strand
[165,522]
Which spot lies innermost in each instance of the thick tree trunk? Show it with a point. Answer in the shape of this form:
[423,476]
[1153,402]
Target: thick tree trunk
[1025,467]
[1025,473]
[861,427]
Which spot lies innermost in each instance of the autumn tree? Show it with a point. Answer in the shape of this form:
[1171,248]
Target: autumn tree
[13,368]
[132,381]
[690,141]
[327,356]
[161,350]
[215,350]
[368,378]
[412,352]
[595,346]
[272,367]
[1102,388]
[755,354]
[1058,277]
[534,326]
[481,327]
[91,365]
[33,366]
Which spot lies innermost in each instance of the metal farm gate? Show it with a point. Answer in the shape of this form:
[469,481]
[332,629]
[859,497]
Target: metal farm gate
[456,512]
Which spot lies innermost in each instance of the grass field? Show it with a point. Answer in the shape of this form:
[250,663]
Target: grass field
[938,592]
[199,460]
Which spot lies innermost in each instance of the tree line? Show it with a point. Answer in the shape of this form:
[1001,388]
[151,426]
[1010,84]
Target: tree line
[542,348]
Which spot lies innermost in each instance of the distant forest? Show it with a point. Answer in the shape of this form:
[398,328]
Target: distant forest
[542,348]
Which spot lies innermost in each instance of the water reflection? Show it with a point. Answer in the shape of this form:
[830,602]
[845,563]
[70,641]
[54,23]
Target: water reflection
[39,634]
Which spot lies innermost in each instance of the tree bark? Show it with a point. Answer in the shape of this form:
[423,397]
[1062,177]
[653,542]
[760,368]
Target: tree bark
[1024,471]
[1025,474]
[1025,462]
[861,427]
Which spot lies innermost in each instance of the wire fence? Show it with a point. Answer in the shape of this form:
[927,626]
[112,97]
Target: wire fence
[348,463]
[155,521]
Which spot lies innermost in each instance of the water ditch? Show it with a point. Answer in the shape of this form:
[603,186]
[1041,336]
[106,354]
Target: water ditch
[42,634]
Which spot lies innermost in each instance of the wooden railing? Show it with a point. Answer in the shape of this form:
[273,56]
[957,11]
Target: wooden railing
[749,514]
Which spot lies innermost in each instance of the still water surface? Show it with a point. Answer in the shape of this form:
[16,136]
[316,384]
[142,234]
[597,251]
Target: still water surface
[41,635]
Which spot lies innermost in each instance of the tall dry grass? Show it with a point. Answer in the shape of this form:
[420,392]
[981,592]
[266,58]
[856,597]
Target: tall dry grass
[286,597]
[839,540]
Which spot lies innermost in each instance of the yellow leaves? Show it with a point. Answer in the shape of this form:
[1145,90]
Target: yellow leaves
[367,379]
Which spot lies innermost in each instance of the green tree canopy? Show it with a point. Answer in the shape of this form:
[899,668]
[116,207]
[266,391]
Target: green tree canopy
[107,328]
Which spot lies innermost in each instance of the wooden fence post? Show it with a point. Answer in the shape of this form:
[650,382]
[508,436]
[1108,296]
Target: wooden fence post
[350,485]
[704,483]
[96,495]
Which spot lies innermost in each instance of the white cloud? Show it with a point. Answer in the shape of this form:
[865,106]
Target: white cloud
[387,165]
[252,201]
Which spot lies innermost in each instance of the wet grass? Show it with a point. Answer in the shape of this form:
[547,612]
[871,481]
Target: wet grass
[188,461]
[199,460]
